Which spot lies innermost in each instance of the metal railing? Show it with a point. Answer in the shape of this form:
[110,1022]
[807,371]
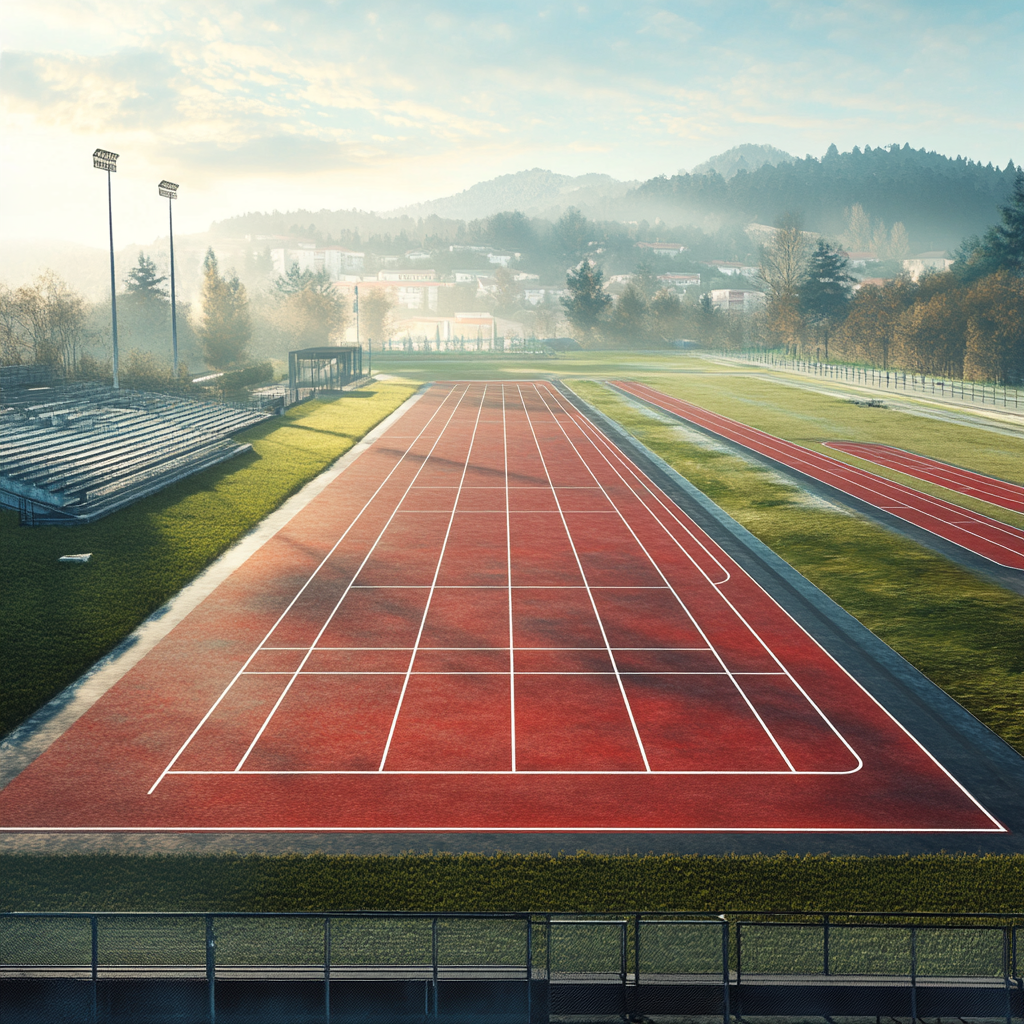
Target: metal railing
[112,967]
[893,380]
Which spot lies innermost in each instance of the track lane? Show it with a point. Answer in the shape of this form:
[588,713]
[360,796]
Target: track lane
[996,541]
[977,485]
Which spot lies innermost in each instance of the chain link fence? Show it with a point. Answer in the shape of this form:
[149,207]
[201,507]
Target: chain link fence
[497,968]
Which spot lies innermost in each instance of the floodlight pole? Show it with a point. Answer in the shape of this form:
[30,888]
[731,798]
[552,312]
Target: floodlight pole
[170,190]
[104,160]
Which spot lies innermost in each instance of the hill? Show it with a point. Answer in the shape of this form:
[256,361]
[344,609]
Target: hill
[747,157]
[536,192]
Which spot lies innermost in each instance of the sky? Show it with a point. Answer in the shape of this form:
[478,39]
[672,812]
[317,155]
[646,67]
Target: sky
[289,104]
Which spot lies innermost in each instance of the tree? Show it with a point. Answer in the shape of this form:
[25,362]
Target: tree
[825,292]
[587,300]
[143,282]
[572,233]
[666,312]
[782,266]
[630,319]
[375,308]
[227,327]
[1005,242]
[44,320]
[509,291]
[296,280]
[995,329]
[511,231]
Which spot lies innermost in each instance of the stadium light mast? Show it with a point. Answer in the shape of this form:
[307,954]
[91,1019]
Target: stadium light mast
[170,191]
[104,160]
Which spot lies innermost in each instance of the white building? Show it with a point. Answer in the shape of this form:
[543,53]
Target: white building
[737,300]
[334,260]
[407,275]
[662,248]
[680,280]
[936,262]
[732,269]
[536,294]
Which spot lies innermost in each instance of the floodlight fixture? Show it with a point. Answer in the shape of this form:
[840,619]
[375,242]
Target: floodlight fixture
[169,190]
[104,160]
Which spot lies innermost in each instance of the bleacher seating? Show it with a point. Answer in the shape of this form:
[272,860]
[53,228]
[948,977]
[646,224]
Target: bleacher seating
[74,452]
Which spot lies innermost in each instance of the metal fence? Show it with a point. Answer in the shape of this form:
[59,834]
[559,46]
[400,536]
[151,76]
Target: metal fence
[493,968]
[898,380]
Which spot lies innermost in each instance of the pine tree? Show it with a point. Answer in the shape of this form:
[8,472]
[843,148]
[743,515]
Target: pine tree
[226,327]
[824,295]
[587,299]
[142,280]
[1005,242]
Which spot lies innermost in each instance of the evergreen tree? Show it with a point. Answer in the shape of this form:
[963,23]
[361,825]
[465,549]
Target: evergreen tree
[1005,242]
[296,280]
[825,291]
[587,299]
[227,327]
[143,282]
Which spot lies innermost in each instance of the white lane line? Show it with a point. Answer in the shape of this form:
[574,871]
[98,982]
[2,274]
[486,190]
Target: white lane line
[508,571]
[658,570]
[433,584]
[299,593]
[345,593]
[583,575]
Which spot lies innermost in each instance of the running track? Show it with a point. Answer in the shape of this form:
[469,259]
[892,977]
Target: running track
[987,537]
[490,621]
[997,492]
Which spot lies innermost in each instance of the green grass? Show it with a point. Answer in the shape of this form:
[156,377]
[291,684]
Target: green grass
[965,634]
[58,619]
[582,883]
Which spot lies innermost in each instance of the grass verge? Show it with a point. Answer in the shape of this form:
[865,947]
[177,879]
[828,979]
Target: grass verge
[58,619]
[965,634]
[583,883]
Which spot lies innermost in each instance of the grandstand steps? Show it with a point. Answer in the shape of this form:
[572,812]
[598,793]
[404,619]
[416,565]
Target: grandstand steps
[75,453]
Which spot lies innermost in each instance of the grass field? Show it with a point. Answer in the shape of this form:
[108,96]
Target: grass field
[581,883]
[965,634]
[65,617]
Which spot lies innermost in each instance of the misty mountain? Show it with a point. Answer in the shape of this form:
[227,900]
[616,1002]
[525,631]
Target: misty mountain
[537,193]
[747,157]
[939,199]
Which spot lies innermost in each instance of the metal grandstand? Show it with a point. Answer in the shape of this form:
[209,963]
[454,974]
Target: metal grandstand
[73,452]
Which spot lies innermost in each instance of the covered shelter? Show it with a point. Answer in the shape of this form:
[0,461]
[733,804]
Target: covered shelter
[329,367]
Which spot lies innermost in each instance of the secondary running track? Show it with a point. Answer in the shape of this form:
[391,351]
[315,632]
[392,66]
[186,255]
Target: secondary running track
[988,488]
[981,534]
[492,620]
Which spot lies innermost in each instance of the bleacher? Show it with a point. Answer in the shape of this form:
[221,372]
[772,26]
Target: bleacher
[75,452]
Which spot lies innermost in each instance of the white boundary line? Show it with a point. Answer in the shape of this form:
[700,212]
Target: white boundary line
[956,782]
[508,571]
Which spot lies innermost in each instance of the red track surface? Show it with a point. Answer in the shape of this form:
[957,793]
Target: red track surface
[490,621]
[987,537]
[988,488]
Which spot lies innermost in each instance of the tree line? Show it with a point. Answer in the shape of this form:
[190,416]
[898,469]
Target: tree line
[967,322]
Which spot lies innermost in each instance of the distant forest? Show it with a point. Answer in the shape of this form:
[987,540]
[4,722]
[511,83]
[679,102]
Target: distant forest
[938,199]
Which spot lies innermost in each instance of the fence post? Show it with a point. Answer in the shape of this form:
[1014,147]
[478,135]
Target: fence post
[529,970]
[1006,971]
[211,969]
[826,944]
[725,971]
[547,966]
[433,957]
[95,966]
[913,972]
[327,970]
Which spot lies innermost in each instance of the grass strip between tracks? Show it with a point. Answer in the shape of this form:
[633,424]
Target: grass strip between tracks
[58,619]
